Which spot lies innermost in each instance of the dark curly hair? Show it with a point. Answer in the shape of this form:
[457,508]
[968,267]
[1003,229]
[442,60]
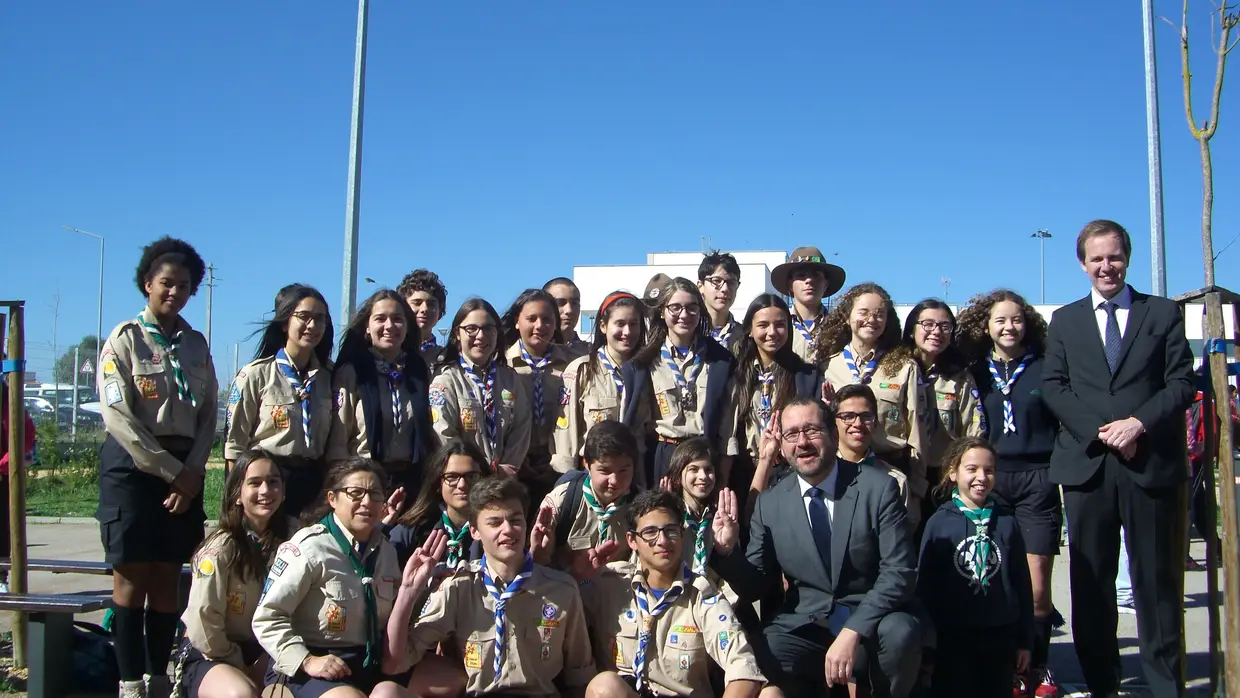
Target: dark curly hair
[951,361]
[972,329]
[427,281]
[169,250]
[836,332]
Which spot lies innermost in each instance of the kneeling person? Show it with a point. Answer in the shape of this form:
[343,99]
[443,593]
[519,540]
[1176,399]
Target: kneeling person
[656,624]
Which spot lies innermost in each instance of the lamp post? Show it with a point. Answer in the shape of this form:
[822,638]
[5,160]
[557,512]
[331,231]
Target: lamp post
[99,323]
[1153,139]
[353,204]
[1042,236]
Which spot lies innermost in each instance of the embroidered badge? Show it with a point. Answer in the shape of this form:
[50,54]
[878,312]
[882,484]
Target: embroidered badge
[506,395]
[616,653]
[546,652]
[546,634]
[468,421]
[236,603]
[112,393]
[434,414]
[206,567]
[685,629]
[549,611]
[561,422]
[684,662]
[437,397]
[665,409]
[266,586]
[947,396]
[673,639]
[234,395]
[893,415]
[279,417]
[109,367]
[146,387]
[711,600]
[278,567]
[629,615]
[725,641]
[598,416]
[335,619]
[888,386]
[723,618]
[563,395]
[473,655]
[289,548]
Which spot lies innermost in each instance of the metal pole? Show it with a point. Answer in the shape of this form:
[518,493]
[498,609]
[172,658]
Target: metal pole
[1042,265]
[353,203]
[236,356]
[77,366]
[99,321]
[1158,245]
[210,294]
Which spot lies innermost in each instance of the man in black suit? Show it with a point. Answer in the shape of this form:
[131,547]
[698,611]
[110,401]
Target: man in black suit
[838,532]
[1118,376]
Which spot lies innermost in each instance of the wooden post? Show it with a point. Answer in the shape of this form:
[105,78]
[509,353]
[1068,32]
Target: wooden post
[1227,478]
[17,479]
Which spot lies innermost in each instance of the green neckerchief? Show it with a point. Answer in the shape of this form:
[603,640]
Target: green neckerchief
[171,348]
[604,514]
[699,527]
[979,543]
[365,570]
[457,538]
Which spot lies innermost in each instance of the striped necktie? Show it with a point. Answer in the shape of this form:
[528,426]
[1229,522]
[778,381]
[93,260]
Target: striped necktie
[171,349]
[302,389]
[501,607]
[538,366]
[648,614]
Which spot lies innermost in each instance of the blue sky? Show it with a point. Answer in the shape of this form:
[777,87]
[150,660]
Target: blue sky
[506,142]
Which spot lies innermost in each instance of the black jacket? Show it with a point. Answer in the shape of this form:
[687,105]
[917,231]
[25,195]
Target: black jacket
[1036,426]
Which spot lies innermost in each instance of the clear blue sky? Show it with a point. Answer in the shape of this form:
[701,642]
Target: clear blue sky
[506,142]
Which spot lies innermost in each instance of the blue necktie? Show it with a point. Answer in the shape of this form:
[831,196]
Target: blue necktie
[820,525]
[1112,339]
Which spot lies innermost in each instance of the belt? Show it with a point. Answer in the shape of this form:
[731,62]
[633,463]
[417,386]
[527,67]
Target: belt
[670,440]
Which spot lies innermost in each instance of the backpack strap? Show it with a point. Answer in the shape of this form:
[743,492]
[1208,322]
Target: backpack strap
[576,480]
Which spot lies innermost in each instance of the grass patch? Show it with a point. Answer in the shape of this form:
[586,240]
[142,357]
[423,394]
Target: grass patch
[74,491]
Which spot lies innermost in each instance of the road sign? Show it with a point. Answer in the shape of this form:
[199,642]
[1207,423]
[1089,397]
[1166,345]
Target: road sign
[86,367]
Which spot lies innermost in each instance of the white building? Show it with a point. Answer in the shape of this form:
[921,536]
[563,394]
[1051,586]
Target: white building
[596,282]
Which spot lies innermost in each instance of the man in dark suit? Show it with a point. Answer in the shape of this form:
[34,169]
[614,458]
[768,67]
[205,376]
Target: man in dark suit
[1118,376]
[839,534]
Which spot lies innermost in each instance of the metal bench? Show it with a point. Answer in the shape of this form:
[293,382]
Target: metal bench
[50,650]
[64,566]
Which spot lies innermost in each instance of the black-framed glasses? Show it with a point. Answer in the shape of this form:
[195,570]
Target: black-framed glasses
[306,317]
[677,309]
[650,534]
[866,418]
[357,494]
[454,479]
[473,330]
[929,326]
[795,435]
[721,282]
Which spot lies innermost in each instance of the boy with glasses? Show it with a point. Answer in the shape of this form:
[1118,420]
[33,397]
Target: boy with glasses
[719,277]
[856,413]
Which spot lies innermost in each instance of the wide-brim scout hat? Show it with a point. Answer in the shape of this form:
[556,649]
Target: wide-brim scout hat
[811,258]
[655,289]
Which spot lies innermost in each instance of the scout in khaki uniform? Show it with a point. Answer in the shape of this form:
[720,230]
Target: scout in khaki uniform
[330,591]
[807,278]
[719,277]
[588,506]
[517,627]
[428,298]
[441,505]
[856,414]
[382,387]
[595,388]
[862,340]
[568,304]
[158,391]
[282,401]
[656,626]
[680,384]
[475,396]
[530,330]
[220,657]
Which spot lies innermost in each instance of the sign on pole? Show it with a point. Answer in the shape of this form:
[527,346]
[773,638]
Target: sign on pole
[86,367]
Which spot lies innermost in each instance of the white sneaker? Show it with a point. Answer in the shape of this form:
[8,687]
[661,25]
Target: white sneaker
[158,687]
[133,689]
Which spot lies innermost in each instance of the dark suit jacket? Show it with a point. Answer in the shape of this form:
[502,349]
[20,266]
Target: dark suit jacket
[1153,382]
[873,561]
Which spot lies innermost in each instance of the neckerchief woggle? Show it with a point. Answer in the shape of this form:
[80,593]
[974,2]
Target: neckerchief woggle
[978,546]
[457,540]
[602,513]
[394,371]
[686,379]
[700,527]
[537,366]
[766,393]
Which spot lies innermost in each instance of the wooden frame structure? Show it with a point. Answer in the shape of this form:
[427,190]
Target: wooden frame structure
[14,373]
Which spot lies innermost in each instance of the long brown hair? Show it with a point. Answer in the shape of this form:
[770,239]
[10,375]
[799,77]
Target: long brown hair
[250,561]
[836,332]
[430,497]
[658,325]
[452,348]
[972,329]
[611,303]
[690,451]
[784,365]
[355,341]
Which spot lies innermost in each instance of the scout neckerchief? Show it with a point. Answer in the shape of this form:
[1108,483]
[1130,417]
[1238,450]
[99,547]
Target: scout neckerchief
[806,327]
[486,390]
[976,548]
[766,393]
[395,372]
[723,334]
[602,513]
[537,366]
[928,376]
[457,538]
[859,377]
[501,606]
[1005,387]
[686,378]
[646,618]
[300,387]
[366,570]
[700,528]
[428,344]
[171,349]
[611,371]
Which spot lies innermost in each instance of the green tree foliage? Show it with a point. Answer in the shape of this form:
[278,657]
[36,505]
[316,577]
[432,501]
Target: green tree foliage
[64,370]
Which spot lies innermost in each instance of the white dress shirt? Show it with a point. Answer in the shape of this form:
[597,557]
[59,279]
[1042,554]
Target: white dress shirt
[828,488]
[1123,303]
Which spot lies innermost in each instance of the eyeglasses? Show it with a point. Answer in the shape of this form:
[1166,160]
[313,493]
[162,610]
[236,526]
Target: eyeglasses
[306,317]
[929,326]
[454,479]
[677,309]
[864,315]
[357,494]
[720,282]
[809,433]
[867,418]
[650,534]
[473,330]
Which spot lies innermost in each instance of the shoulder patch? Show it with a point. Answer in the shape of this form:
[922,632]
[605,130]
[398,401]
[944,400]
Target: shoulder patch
[112,393]
[437,398]
[206,567]
[234,395]
[290,548]
[563,395]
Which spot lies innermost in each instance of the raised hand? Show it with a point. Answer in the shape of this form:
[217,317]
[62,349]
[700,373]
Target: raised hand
[540,534]
[726,524]
[768,449]
[828,393]
[665,484]
[394,503]
[587,563]
[422,562]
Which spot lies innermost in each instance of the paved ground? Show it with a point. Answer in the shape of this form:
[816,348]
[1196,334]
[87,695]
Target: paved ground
[80,541]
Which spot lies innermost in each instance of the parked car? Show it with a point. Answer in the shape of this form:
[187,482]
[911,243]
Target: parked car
[39,408]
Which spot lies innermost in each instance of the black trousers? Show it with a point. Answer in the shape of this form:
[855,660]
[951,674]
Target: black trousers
[1152,520]
[978,663]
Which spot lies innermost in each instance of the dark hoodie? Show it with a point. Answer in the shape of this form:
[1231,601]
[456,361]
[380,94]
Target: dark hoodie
[946,592]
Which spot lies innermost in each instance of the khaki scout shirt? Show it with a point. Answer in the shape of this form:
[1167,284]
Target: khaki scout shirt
[953,413]
[348,434]
[221,604]
[314,598]
[140,402]
[575,347]
[699,626]
[663,415]
[545,635]
[808,351]
[900,407]
[590,402]
[584,532]
[732,334]
[554,394]
[457,412]
[265,412]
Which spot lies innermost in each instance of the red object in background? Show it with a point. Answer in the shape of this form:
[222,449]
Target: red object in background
[4,434]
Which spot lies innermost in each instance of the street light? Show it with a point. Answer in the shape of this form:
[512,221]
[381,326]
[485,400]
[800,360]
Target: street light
[99,323]
[353,204]
[1042,235]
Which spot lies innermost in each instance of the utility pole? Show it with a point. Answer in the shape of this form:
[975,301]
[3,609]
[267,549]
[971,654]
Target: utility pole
[946,284]
[1153,139]
[99,321]
[1042,236]
[353,205]
[77,367]
[236,355]
[210,296]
